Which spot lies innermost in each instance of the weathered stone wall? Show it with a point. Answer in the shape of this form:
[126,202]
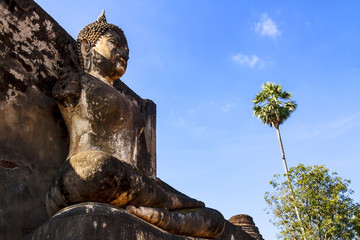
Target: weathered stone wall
[33,137]
[34,52]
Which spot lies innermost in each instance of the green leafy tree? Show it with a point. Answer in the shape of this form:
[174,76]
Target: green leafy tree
[273,106]
[323,200]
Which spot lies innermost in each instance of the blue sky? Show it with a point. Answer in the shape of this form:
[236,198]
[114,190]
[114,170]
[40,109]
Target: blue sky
[202,62]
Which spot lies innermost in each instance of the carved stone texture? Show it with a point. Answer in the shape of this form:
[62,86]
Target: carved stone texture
[247,224]
[92,221]
[34,52]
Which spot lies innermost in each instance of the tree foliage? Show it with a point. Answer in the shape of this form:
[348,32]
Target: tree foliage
[273,105]
[324,203]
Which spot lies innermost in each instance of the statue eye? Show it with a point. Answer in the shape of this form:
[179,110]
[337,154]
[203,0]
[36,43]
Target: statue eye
[116,44]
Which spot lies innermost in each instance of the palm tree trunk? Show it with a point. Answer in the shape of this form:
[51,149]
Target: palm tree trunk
[282,151]
[289,181]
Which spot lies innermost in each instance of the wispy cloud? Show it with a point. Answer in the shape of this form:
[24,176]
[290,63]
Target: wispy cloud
[199,130]
[226,108]
[190,125]
[332,129]
[267,27]
[179,122]
[248,61]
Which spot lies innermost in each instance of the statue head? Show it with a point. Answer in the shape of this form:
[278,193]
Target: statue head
[103,50]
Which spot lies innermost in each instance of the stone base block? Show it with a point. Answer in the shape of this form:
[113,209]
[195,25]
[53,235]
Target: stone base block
[92,221]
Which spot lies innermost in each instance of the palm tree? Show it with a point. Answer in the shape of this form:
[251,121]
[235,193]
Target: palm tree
[273,106]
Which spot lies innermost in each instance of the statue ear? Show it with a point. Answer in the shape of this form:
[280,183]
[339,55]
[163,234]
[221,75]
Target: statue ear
[85,47]
[85,51]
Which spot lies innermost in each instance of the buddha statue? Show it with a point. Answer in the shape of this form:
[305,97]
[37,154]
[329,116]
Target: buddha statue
[106,131]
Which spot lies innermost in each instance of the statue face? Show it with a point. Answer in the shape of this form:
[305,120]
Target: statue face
[110,56]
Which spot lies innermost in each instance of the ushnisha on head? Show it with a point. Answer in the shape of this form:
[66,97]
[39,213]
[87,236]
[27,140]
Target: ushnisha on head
[103,50]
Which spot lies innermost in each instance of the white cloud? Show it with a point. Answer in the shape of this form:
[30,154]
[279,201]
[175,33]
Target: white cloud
[249,61]
[267,27]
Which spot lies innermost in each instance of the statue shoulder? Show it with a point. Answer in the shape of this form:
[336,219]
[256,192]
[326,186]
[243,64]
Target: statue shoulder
[67,89]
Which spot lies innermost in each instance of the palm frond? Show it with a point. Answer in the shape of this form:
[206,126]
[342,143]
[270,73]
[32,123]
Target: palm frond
[273,105]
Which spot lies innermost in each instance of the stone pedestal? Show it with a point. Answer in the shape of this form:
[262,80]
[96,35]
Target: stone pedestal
[93,221]
[86,221]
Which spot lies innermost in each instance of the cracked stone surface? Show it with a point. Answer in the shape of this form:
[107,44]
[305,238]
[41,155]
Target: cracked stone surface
[33,137]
